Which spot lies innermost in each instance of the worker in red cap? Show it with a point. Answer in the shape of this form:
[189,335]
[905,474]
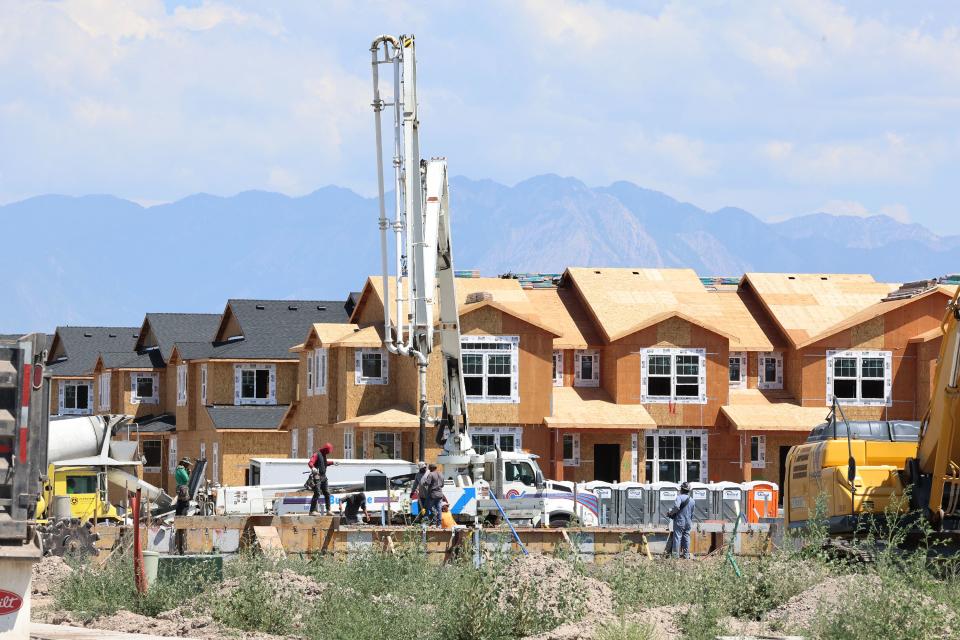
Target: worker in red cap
[318,464]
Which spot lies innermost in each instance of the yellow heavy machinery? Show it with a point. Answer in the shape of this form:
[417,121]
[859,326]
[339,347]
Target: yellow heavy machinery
[864,468]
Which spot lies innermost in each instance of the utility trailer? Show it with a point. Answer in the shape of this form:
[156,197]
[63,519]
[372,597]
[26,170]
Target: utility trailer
[24,407]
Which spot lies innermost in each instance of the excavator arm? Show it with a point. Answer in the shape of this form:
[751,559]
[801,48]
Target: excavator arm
[936,471]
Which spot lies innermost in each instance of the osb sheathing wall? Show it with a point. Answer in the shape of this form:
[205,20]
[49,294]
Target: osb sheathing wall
[889,332]
[674,332]
[168,389]
[586,471]
[237,447]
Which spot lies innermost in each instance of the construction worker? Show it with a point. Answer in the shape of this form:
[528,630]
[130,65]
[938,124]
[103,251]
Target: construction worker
[431,490]
[182,478]
[415,490]
[682,515]
[318,464]
[351,506]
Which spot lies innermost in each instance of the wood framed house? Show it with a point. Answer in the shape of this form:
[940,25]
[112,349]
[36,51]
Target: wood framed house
[71,358]
[237,386]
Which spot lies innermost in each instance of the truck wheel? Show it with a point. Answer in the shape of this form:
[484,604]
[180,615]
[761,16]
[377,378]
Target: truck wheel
[559,521]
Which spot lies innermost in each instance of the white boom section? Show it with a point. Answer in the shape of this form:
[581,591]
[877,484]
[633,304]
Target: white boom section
[423,252]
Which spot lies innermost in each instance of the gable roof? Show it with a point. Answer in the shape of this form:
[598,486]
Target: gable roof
[148,359]
[270,327]
[873,311]
[506,293]
[806,304]
[163,330]
[563,310]
[625,300]
[326,334]
[73,351]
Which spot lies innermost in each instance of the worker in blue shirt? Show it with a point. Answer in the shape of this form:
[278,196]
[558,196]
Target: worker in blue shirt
[682,514]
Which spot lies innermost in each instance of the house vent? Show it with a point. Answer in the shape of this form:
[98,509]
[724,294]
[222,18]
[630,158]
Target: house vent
[292,307]
[111,335]
[87,335]
[260,307]
[320,307]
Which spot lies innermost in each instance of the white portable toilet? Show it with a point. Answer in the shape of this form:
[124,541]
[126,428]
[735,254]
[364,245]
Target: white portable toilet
[727,500]
[632,500]
[663,495]
[702,502]
[607,500]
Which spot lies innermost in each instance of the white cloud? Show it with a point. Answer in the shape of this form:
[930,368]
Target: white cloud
[898,212]
[845,208]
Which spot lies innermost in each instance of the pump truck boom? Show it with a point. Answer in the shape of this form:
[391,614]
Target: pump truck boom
[423,262]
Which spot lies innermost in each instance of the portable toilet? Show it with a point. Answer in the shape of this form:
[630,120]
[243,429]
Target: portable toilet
[702,502]
[606,498]
[727,500]
[761,500]
[663,495]
[632,503]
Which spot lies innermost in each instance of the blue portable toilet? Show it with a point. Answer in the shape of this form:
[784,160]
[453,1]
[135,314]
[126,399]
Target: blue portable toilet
[632,505]
[606,497]
[663,495]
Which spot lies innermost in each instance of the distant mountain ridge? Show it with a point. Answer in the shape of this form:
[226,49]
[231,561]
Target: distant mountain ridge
[104,260]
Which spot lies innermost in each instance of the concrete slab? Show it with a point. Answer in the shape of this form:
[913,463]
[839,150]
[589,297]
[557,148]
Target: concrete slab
[40,631]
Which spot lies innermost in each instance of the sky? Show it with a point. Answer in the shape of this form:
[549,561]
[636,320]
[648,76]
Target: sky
[781,108]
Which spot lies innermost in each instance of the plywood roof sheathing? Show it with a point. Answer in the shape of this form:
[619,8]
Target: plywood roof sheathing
[593,408]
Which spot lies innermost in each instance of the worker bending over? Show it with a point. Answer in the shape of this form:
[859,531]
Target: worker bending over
[352,505]
[317,482]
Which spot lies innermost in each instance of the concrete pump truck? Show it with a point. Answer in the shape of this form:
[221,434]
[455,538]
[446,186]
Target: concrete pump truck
[423,254]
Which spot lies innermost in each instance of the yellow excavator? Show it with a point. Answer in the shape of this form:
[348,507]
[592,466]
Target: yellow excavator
[848,471]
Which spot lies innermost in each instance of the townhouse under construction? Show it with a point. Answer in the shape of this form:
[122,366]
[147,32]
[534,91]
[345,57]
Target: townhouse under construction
[611,374]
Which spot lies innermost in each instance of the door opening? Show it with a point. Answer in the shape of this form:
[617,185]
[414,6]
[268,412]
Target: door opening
[606,462]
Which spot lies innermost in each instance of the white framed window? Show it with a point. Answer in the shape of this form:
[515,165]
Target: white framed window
[862,378]
[372,366]
[76,397]
[294,442]
[558,368]
[488,438]
[144,388]
[254,384]
[104,391]
[203,384]
[770,367]
[386,445]
[634,456]
[676,455]
[203,450]
[310,359]
[490,368]
[310,450]
[172,454]
[348,443]
[587,372]
[152,451]
[320,371]
[216,463]
[673,375]
[571,449]
[737,370]
[181,385]
[758,452]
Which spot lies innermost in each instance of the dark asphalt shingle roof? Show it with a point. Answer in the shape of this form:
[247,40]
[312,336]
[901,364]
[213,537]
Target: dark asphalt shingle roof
[247,417]
[164,423]
[82,345]
[195,350]
[149,359]
[170,328]
[271,327]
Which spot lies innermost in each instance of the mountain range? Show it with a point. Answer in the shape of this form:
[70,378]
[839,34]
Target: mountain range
[102,260]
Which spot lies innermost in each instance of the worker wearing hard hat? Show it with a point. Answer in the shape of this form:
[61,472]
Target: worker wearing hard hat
[682,516]
[317,482]
[182,478]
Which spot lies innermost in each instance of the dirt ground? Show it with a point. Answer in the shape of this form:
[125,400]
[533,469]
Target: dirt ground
[540,579]
[47,573]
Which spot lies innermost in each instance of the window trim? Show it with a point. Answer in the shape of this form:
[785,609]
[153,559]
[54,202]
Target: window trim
[181,385]
[558,367]
[498,432]
[321,357]
[859,355]
[172,454]
[578,380]
[159,446]
[310,442]
[742,382]
[673,353]
[703,434]
[359,378]
[104,391]
[295,443]
[238,398]
[62,407]
[776,384]
[203,384]
[348,444]
[310,359]
[134,378]
[514,352]
[761,461]
[575,449]
[215,462]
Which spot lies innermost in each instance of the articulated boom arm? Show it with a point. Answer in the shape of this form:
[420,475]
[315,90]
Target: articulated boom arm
[939,451]
[423,251]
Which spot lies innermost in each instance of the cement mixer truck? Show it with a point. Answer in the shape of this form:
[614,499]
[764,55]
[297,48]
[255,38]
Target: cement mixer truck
[84,463]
